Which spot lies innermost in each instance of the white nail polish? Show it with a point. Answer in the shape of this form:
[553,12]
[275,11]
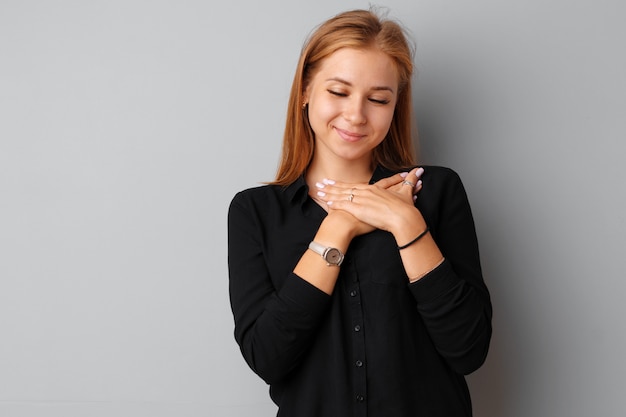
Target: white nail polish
[319,185]
[321,193]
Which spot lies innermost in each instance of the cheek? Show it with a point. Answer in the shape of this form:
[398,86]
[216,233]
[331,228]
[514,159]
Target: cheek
[382,120]
[323,112]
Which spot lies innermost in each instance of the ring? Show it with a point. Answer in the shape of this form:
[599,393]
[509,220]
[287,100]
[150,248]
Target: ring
[406,182]
[351,195]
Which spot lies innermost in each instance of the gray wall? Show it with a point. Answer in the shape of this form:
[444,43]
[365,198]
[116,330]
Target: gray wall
[127,126]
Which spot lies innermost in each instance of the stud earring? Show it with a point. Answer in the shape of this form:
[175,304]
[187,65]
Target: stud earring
[304,103]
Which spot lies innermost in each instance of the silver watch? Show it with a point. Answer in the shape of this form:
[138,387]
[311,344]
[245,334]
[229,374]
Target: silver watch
[332,256]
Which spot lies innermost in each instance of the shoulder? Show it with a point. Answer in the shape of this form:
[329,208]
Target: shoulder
[436,178]
[441,177]
[270,197]
[440,174]
[440,180]
[266,205]
[251,204]
[442,190]
[254,192]
[256,195]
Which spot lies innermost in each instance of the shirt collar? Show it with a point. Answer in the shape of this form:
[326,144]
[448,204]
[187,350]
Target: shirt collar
[297,191]
[379,173]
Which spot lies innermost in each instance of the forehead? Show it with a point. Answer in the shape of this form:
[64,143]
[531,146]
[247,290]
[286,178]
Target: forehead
[360,67]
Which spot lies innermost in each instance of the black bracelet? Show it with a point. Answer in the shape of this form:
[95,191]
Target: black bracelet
[421,235]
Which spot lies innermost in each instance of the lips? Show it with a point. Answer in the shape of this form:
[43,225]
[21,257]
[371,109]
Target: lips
[349,136]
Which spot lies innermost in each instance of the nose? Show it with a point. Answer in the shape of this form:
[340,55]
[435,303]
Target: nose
[354,111]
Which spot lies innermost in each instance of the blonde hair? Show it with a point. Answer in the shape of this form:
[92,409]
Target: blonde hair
[360,29]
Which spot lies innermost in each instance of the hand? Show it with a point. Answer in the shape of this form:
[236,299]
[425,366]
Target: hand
[405,177]
[381,205]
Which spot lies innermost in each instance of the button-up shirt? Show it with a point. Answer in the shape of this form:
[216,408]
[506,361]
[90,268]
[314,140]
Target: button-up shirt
[379,346]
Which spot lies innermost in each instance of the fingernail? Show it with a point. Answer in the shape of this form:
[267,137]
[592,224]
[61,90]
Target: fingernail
[321,193]
[330,203]
[414,198]
[328,182]
[319,185]
[404,174]
[418,184]
[419,172]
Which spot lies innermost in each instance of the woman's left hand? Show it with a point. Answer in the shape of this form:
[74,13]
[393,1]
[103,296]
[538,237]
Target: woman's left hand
[382,205]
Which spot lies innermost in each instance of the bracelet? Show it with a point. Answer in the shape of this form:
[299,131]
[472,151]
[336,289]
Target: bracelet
[412,280]
[421,235]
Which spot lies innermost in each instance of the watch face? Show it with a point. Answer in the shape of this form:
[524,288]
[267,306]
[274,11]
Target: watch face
[333,256]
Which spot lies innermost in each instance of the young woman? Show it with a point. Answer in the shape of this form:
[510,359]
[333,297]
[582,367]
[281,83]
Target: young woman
[355,279]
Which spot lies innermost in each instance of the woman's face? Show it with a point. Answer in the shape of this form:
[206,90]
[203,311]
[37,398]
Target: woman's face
[351,102]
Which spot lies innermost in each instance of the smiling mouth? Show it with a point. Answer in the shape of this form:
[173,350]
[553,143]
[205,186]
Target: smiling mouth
[349,136]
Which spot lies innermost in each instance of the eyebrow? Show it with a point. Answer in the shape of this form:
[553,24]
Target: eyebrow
[349,84]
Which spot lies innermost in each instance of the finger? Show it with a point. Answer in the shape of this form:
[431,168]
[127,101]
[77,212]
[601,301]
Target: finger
[336,186]
[328,190]
[411,183]
[342,202]
[418,186]
[340,190]
[408,184]
[417,174]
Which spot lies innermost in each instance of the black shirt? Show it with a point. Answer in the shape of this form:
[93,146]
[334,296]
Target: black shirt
[378,346]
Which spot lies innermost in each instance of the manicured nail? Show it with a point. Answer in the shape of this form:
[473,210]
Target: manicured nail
[328,182]
[321,193]
[319,185]
[419,172]
[418,184]
[330,203]
[404,174]
[414,198]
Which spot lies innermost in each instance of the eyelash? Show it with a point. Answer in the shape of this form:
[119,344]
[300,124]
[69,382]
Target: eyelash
[338,94]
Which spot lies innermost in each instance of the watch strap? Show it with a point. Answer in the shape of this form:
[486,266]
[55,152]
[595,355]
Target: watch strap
[324,252]
[317,248]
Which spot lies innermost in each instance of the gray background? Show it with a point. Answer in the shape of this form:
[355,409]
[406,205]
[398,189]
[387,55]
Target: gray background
[127,126]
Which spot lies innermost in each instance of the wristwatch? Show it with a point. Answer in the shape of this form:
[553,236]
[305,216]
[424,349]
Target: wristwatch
[332,256]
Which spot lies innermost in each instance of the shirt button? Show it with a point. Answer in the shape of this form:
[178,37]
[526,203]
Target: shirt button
[357,328]
[360,398]
[353,293]
[358,363]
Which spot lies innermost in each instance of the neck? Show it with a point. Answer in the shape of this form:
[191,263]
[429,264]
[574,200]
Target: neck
[348,171]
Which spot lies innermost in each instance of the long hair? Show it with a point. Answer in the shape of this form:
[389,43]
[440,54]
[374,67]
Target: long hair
[359,29]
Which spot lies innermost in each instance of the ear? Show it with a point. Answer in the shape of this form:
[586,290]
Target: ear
[305,92]
[305,99]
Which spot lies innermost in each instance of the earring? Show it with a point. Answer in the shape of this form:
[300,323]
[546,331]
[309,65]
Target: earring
[304,103]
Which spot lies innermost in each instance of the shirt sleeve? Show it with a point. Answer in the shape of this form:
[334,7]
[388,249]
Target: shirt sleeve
[273,326]
[453,299]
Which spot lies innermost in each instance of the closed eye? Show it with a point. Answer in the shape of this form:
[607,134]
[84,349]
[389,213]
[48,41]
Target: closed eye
[373,100]
[337,93]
